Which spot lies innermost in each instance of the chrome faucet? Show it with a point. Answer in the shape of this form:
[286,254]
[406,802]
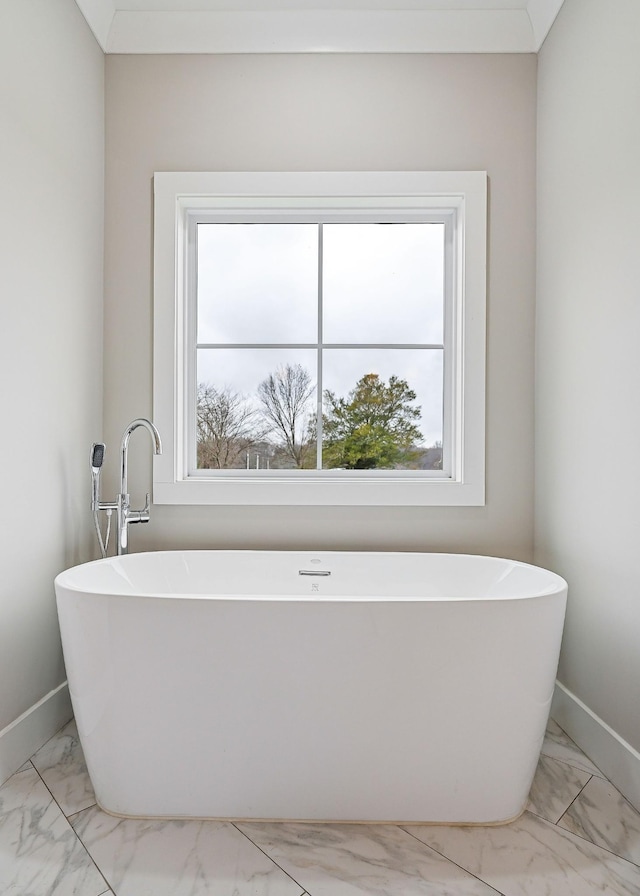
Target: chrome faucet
[124,515]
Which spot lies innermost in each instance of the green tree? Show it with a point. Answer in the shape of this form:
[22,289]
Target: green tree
[374,427]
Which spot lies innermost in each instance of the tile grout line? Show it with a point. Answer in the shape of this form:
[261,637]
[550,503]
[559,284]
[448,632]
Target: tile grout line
[564,811]
[79,812]
[73,831]
[577,768]
[296,882]
[599,774]
[67,817]
[586,839]
[110,887]
[577,796]
[447,859]
[601,777]
[552,824]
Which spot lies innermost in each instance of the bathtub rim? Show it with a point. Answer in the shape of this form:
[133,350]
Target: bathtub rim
[557,585]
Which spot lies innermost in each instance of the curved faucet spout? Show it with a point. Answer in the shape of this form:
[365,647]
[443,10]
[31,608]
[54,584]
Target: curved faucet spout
[157,447]
[124,514]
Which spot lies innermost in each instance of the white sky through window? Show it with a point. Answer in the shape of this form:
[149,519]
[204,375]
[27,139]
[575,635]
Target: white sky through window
[382,286]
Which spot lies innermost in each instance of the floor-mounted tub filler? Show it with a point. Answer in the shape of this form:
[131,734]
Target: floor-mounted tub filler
[299,685]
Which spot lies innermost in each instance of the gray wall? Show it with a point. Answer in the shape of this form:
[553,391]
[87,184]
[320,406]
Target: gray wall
[51,236]
[328,112]
[588,360]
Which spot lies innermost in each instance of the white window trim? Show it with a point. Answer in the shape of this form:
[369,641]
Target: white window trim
[177,193]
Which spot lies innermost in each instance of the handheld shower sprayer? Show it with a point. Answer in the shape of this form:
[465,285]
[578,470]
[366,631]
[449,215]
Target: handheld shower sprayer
[97,459]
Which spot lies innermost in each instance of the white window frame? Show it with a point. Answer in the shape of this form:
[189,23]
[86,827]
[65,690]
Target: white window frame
[180,195]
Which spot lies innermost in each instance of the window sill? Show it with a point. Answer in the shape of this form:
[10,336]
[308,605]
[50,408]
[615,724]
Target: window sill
[317,490]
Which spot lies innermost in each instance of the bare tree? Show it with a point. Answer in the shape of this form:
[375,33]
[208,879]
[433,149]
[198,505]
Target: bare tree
[286,406]
[227,427]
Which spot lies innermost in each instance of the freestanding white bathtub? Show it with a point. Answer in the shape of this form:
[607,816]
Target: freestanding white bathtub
[302,685]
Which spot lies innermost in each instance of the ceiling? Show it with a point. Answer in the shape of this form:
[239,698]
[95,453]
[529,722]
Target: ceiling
[315,26]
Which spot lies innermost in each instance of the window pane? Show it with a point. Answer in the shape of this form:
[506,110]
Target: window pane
[257,283]
[256,409]
[382,409]
[383,283]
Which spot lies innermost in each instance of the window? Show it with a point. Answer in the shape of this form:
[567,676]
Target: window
[319,338]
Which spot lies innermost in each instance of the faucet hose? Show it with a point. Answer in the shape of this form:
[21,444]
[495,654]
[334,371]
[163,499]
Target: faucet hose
[104,543]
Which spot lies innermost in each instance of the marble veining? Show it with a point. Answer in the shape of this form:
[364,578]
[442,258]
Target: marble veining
[559,745]
[602,815]
[579,838]
[39,852]
[60,763]
[179,858]
[555,787]
[532,857]
[377,860]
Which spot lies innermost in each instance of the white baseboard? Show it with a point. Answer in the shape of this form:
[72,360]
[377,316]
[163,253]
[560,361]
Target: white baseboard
[615,758]
[21,739]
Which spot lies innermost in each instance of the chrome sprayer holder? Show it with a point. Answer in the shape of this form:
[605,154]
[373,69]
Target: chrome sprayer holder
[124,515]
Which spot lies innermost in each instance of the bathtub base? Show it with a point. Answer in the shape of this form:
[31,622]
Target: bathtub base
[329,821]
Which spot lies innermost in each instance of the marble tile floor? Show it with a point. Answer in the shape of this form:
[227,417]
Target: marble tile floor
[578,837]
